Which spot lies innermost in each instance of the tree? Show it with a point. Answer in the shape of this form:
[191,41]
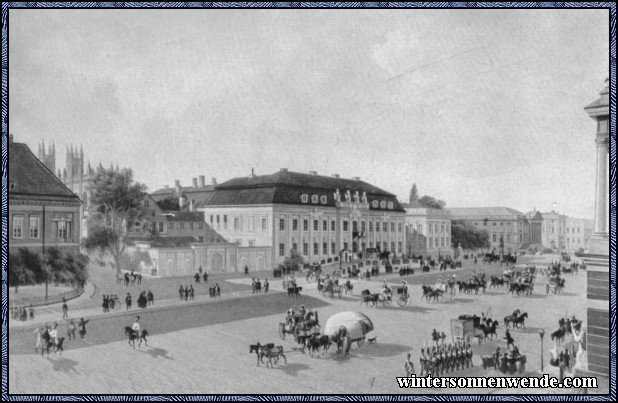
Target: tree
[169,204]
[292,262]
[413,194]
[117,203]
[19,272]
[430,202]
[468,236]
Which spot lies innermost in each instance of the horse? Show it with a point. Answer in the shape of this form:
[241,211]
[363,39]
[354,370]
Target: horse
[519,320]
[294,291]
[348,287]
[270,353]
[367,297]
[255,348]
[132,336]
[48,343]
[490,330]
[214,292]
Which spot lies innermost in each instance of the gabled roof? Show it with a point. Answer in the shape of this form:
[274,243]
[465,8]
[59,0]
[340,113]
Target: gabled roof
[482,212]
[29,176]
[286,187]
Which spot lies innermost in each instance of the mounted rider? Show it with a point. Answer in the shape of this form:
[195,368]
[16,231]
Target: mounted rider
[136,327]
[404,287]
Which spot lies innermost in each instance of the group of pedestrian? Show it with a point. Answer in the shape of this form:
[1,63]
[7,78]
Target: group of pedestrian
[198,277]
[111,301]
[256,285]
[52,331]
[186,292]
[21,313]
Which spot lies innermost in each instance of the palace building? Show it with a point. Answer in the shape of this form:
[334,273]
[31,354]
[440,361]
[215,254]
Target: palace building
[43,212]
[321,217]
[428,231]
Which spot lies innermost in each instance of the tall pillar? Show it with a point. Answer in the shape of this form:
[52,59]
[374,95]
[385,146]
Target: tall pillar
[600,212]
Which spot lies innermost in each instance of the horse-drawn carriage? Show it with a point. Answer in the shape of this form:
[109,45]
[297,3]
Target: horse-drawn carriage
[554,284]
[467,328]
[297,324]
[330,287]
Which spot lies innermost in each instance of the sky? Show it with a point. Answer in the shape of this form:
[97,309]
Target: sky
[477,107]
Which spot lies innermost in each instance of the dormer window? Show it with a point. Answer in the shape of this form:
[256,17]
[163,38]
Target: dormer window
[304,198]
[390,205]
[314,199]
[382,204]
[374,204]
[323,199]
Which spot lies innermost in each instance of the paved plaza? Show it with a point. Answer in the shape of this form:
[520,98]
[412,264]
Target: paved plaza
[205,344]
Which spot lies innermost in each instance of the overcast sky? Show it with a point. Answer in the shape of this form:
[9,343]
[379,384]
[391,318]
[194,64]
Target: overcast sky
[478,107]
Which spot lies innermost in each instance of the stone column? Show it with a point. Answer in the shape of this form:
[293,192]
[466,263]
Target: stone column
[600,216]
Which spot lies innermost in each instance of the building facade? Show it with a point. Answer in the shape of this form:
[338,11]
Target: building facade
[43,212]
[554,231]
[578,232]
[500,223]
[428,231]
[318,216]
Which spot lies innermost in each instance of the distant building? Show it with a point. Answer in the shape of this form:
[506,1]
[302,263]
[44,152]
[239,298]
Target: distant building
[185,197]
[578,233]
[321,217]
[428,231]
[500,223]
[554,230]
[43,212]
[535,229]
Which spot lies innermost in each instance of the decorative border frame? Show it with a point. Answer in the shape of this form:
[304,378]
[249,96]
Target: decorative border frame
[612,77]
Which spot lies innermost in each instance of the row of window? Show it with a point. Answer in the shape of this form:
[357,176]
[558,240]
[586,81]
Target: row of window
[572,230]
[434,229]
[363,228]
[61,228]
[494,224]
[323,200]
[573,241]
[181,225]
[215,222]
[333,248]
[439,242]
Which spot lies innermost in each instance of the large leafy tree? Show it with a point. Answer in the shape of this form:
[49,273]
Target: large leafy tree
[19,272]
[468,236]
[431,202]
[117,205]
[293,262]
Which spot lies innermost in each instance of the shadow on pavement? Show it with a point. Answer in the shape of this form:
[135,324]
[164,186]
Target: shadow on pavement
[292,369]
[379,350]
[458,300]
[63,364]
[157,352]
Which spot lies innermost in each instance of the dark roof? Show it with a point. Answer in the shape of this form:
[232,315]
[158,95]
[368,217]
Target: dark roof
[190,191]
[286,187]
[29,176]
[484,212]
[183,216]
[164,242]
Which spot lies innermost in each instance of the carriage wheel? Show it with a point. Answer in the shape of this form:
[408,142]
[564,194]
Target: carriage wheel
[282,331]
[360,342]
[401,301]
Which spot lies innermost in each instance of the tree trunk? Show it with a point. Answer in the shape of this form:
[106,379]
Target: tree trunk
[46,283]
[118,264]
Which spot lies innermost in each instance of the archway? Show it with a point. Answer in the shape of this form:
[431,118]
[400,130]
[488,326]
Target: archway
[243,263]
[216,263]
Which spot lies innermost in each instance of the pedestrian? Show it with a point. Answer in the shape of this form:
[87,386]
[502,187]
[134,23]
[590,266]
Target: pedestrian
[205,277]
[24,314]
[181,292]
[246,270]
[31,312]
[266,285]
[82,327]
[39,339]
[65,309]
[128,301]
[139,278]
[197,278]
[105,304]
[186,293]
[409,366]
[192,293]
[71,330]
[150,298]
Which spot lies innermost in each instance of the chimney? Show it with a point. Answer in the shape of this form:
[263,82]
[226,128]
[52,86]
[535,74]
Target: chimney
[177,187]
[214,181]
[313,173]
[356,178]
[181,202]
[283,169]
[195,182]
[191,205]
[335,175]
[202,181]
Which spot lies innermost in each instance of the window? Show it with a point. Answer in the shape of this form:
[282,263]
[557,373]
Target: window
[305,249]
[323,199]
[325,248]
[251,243]
[435,228]
[578,230]
[324,225]
[448,242]
[161,226]
[315,249]
[218,223]
[399,227]
[190,225]
[493,237]
[316,225]
[392,246]
[333,249]
[384,247]
[314,199]
[420,228]
[181,225]
[363,226]
[430,242]
[384,227]
[442,228]
[281,224]
[370,226]
[442,242]
[399,247]
[64,229]
[354,226]
[236,224]
[392,227]
[508,237]
[34,227]
[502,224]
[263,224]
[345,245]
[281,249]
[294,224]
[390,205]
[332,225]
[170,225]
[495,224]
[304,198]
[382,204]
[377,227]
[374,204]
[370,244]
[200,225]
[224,222]
[211,219]
[345,226]
[18,226]
[295,246]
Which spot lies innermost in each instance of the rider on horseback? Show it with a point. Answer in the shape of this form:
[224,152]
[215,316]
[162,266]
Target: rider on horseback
[136,327]
[404,287]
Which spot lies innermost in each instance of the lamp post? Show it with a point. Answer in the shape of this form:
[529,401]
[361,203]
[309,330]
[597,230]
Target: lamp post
[542,334]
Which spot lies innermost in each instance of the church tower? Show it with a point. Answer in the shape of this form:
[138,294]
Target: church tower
[47,155]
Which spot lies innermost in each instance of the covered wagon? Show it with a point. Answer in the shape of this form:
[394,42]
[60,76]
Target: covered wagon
[356,324]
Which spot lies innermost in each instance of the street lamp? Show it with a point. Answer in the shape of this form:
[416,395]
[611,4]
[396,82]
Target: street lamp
[542,334]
